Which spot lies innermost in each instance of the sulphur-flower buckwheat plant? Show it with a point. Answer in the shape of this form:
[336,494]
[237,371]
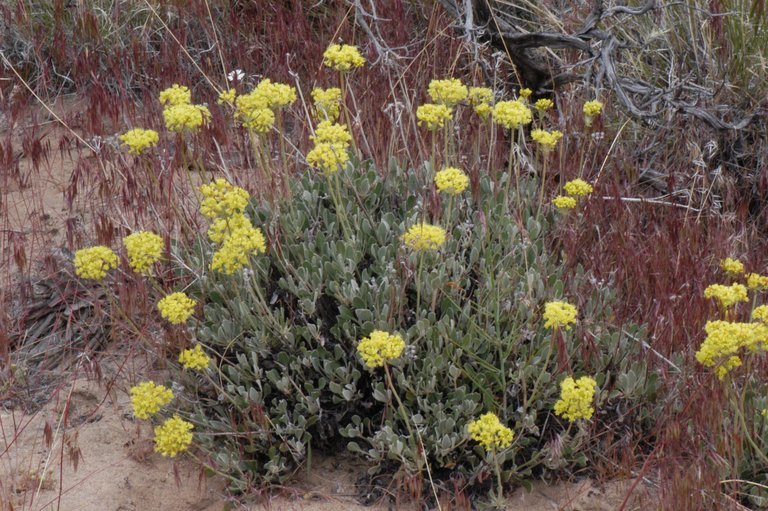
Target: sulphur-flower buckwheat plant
[186,118]
[139,139]
[512,114]
[277,95]
[222,199]
[221,228]
[194,358]
[173,437]
[449,92]
[727,296]
[94,262]
[176,308]
[724,340]
[564,202]
[576,397]
[451,180]
[525,93]
[760,314]
[176,95]
[144,249]
[489,432]
[559,315]
[380,347]
[328,157]
[327,103]
[732,267]
[577,188]
[424,236]
[544,104]
[434,117]
[227,97]
[147,398]
[592,108]
[547,139]
[237,249]
[757,282]
[343,57]
[332,133]
[253,111]
[481,100]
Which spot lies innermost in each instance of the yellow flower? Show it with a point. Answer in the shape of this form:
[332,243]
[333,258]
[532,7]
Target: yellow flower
[489,432]
[725,339]
[525,93]
[144,249]
[547,139]
[760,314]
[424,237]
[559,315]
[276,95]
[328,157]
[544,104]
[576,398]
[380,347]
[222,199]
[512,114]
[194,358]
[577,188]
[593,108]
[433,116]
[173,437]
[176,95]
[732,266]
[184,117]
[481,98]
[757,282]
[448,92]
[94,262]
[222,228]
[327,103]
[237,249]
[139,139]
[227,97]
[727,296]
[343,57]
[562,202]
[259,119]
[147,399]
[332,133]
[176,308]
[451,180]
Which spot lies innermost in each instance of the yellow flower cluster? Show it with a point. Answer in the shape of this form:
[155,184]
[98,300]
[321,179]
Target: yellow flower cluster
[489,432]
[724,340]
[547,139]
[525,93]
[559,315]
[760,313]
[237,249]
[380,347]
[332,133]
[144,249]
[591,110]
[222,199]
[727,296]
[433,116]
[512,114]
[139,139]
[94,262]
[577,188]
[227,97]
[732,266]
[173,437]
[451,180]
[147,399]
[256,109]
[185,117]
[278,95]
[757,282]
[544,104]
[176,95]
[481,99]
[194,358]
[343,57]
[328,157]
[327,103]
[576,398]
[176,308]
[448,92]
[221,228]
[424,236]
[563,202]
